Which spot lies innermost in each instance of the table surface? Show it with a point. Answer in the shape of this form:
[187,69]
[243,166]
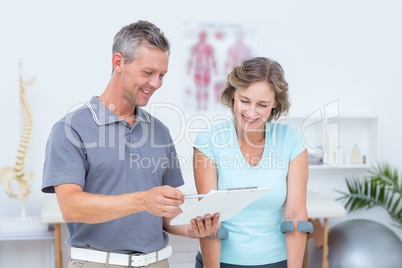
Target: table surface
[320,206]
[50,212]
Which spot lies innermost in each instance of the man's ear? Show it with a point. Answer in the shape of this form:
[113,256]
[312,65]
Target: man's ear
[117,62]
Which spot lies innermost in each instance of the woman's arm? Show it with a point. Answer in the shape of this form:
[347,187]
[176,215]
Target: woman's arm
[295,208]
[206,179]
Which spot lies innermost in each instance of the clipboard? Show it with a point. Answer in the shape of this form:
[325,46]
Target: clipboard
[228,203]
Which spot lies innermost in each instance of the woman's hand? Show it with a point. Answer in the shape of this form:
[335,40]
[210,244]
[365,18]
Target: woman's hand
[200,228]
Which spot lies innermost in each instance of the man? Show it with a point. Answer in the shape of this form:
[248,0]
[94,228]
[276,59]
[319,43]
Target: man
[114,167]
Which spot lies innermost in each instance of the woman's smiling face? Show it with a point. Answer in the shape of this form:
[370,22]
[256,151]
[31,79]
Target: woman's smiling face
[253,105]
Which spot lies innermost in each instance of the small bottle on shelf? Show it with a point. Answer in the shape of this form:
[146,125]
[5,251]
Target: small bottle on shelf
[330,157]
[355,155]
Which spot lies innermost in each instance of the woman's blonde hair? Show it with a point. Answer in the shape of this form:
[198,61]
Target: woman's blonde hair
[255,70]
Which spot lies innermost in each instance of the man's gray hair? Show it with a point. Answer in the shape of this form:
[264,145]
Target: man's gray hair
[131,37]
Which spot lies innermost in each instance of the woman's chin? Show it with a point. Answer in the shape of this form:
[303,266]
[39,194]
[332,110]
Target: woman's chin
[252,127]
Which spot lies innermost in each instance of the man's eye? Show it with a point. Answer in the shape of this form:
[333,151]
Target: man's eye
[148,73]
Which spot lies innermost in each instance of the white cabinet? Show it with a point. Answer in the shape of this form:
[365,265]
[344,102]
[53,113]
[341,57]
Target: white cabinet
[337,136]
[27,246]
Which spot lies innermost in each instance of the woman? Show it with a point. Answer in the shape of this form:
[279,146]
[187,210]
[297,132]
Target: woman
[251,150]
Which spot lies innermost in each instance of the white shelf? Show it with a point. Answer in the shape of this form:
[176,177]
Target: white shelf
[47,235]
[327,167]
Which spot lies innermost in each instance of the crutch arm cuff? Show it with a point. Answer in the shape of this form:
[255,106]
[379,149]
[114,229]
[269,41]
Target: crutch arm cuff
[302,226]
[305,226]
[287,226]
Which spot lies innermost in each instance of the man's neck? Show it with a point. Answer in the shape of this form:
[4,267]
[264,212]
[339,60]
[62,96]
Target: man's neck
[114,100]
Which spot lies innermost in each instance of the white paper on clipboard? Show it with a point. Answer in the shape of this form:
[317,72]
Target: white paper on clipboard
[228,203]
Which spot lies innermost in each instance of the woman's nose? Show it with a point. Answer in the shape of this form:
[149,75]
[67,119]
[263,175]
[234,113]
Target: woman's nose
[250,111]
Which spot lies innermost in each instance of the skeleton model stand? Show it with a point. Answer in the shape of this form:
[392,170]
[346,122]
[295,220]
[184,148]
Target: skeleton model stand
[8,173]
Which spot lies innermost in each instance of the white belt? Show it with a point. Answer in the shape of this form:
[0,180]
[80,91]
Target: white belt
[130,260]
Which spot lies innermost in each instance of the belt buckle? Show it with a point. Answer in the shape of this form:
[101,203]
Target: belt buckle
[130,259]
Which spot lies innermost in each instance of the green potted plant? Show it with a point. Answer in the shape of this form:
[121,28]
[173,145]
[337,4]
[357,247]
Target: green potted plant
[382,187]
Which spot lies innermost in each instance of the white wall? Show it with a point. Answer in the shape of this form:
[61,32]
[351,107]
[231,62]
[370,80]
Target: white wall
[333,50]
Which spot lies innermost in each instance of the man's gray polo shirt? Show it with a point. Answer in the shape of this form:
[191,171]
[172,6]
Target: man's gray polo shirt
[102,153]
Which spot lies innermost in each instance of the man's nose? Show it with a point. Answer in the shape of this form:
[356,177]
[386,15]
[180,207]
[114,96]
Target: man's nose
[156,82]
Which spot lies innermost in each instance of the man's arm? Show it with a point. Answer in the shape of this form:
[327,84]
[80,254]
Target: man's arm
[79,206]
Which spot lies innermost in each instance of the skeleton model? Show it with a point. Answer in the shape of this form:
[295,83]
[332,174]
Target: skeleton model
[7,173]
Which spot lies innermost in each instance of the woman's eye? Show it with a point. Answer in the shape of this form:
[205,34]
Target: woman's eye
[148,73]
[263,106]
[244,101]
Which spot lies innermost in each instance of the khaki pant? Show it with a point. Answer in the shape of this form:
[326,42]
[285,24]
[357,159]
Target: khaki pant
[86,264]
